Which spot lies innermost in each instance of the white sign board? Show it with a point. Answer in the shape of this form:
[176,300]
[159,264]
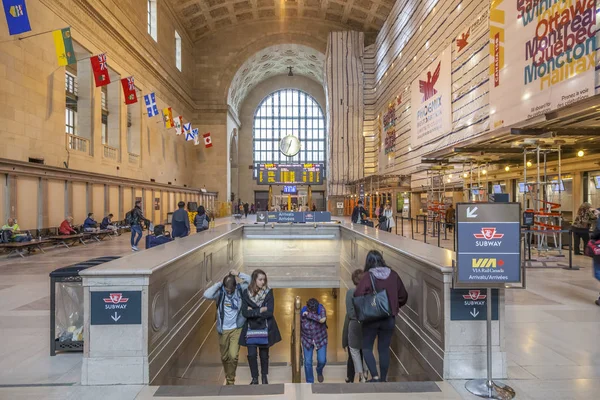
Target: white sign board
[543,56]
[431,101]
[340,204]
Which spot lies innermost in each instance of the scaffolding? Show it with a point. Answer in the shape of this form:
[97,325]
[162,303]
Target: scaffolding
[436,193]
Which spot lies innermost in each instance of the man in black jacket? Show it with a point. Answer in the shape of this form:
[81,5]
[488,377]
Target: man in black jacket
[359,214]
[180,223]
[137,217]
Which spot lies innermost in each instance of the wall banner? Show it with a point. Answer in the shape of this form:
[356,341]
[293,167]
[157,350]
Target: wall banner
[431,101]
[543,55]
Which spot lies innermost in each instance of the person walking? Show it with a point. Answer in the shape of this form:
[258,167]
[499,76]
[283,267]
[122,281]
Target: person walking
[389,217]
[383,277]
[596,259]
[230,321]
[450,215]
[201,220]
[246,210]
[359,214]
[352,335]
[260,330]
[135,219]
[313,333]
[581,226]
[180,223]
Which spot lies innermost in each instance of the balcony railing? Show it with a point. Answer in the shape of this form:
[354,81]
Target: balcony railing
[78,143]
[110,152]
[134,159]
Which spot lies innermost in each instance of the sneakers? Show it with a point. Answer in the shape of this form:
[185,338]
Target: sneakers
[134,248]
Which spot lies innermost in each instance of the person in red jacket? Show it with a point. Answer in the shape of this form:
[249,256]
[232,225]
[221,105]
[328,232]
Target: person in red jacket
[383,329]
[66,227]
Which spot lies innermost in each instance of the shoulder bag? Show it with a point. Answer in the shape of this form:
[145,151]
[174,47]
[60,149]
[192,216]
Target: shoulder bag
[257,337]
[592,248]
[373,306]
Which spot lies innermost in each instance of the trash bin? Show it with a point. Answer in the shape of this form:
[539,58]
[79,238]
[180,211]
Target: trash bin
[66,305]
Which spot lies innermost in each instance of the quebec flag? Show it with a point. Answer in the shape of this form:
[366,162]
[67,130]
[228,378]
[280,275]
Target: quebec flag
[187,129]
[151,107]
[16,16]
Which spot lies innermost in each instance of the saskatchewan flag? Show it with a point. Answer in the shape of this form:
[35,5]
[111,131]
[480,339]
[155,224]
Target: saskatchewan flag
[64,46]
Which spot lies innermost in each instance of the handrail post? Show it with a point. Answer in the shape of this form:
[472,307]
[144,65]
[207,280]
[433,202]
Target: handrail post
[296,347]
[424,230]
[439,233]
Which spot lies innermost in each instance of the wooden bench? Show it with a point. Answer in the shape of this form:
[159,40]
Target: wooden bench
[99,235]
[20,247]
[65,240]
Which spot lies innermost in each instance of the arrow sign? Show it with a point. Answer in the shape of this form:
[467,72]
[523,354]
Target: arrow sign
[261,217]
[474,313]
[471,212]
[115,317]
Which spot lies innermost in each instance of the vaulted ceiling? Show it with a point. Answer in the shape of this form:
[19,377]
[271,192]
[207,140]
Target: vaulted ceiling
[273,61]
[201,17]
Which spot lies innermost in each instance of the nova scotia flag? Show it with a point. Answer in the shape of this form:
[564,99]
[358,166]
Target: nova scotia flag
[187,129]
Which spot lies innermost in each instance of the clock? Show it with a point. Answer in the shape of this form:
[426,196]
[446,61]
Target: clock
[289,146]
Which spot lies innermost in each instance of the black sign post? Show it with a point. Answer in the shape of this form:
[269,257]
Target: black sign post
[116,308]
[488,255]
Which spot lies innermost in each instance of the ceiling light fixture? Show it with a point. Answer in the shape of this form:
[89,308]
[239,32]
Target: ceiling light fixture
[580,153]
[290,73]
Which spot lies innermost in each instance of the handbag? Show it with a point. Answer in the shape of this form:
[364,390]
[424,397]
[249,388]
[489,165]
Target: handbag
[257,337]
[592,248]
[373,306]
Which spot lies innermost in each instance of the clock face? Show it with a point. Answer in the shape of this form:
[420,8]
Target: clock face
[289,146]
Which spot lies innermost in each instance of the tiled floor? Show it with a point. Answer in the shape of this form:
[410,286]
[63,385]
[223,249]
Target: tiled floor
[551,337]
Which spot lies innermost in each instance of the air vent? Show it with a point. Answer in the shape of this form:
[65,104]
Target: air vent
[169,183]
[152,180]
[36,160]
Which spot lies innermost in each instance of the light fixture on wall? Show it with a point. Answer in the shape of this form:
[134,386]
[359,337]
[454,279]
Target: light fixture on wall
[290,73]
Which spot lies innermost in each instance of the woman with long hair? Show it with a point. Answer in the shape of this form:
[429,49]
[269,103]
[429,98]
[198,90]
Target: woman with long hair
[581,226]
[383,277]
[260,331]
[352,335]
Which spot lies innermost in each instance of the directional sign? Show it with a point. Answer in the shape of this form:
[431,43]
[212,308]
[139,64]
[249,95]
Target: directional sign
[116,308]
[471,304]
[261,216]
[488,250]
[298,217]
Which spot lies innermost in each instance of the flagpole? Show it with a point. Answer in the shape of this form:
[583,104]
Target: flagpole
[30,36]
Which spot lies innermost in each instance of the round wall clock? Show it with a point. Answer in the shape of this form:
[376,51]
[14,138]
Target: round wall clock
[289,145]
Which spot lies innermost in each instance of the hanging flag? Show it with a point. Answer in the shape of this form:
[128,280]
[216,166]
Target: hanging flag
[100,69]
[129,90]
[151,107]
[187,129]
[196,137]
[179,125]
[207,141]
[168,117]
[16,16]
[64,46]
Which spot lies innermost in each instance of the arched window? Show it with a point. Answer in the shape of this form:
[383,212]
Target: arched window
[289,112]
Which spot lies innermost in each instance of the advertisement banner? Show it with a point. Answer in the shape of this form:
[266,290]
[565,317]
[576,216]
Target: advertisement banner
[431,101]
[543,56]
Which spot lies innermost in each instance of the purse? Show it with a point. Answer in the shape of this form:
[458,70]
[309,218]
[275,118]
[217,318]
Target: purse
[257,337]
[592,248]
[373,306]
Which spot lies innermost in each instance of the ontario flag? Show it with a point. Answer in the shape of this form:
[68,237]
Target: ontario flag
[129,90]
[178,124]
[100,70]
[207,141]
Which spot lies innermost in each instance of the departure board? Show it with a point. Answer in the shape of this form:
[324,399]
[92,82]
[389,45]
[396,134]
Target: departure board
[283,174]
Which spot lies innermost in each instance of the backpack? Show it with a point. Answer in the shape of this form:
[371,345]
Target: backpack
[6,236]
[129,218]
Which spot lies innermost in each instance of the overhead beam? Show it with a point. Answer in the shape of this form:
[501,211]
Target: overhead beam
[489,150]
[583,131]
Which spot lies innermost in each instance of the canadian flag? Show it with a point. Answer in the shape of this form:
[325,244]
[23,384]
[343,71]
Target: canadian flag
[207,141]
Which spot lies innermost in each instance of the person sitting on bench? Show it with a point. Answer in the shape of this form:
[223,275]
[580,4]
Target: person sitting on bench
[90,224]
[66,227]
[158,237]
[11,225]
[107,224]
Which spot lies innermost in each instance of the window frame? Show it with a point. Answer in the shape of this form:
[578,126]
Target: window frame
[178,53]
[152,19]
[284,112]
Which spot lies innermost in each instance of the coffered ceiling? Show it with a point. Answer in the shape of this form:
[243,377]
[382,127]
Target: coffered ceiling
[273,61]
[201,17]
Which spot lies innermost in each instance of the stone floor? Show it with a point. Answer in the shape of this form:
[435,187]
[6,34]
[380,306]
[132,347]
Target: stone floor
[552,332]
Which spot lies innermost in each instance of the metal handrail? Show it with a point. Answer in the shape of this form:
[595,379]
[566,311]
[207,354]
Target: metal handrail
[296,346]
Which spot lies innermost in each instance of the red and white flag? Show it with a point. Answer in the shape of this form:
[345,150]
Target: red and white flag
[100,70]
[129,90]
[207,141]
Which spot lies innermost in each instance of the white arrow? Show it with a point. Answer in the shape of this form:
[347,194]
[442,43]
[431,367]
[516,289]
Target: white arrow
[474,313]
[471,213]
[261,217]
[116,317]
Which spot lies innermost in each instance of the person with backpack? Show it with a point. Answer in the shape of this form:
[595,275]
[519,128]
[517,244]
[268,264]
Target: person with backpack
[134,219]
[180,223]
[201,220]
[352,335]
[379,277]
[230,321]
[313,328]
[388,216]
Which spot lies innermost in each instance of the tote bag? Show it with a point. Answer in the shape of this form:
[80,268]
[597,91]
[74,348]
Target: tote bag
[373,306]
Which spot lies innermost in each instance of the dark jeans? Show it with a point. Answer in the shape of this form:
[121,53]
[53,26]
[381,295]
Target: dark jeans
[580,234]
[383,331]
[350,371]
[253,352]
[136,230]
